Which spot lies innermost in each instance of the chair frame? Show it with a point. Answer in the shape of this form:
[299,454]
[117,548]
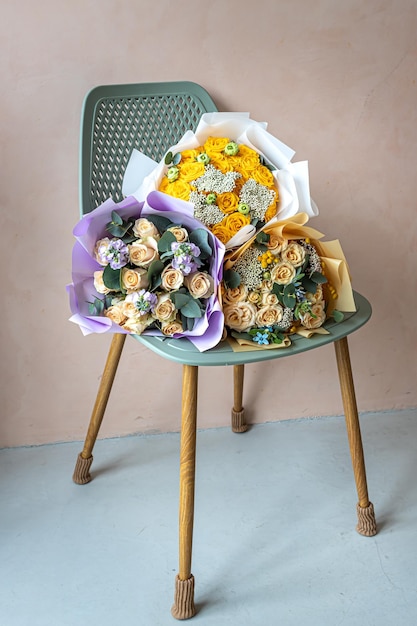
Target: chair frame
[183,352]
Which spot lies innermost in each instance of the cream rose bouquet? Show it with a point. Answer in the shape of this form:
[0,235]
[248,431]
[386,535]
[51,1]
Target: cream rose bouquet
[147,268]
[237,176]
[283,281]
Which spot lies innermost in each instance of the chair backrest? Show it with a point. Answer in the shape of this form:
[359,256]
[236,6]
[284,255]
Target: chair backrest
[117,118]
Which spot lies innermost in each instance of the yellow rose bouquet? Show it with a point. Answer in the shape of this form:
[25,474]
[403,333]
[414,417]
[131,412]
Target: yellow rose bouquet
[237,176]
[284,281]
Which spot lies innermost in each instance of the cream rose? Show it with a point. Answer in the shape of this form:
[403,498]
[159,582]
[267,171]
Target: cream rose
[269,315]
[115,313]
[99,284]
[294,254]
[180,233]
[237,294]
[276,244]
[137,325]
[240,316]
[144,228]
[100,250]
[143,251]
[172,279]
[165,309]
[316,297]
[171,328]
[315,318]
[129,308]
[254,297]
[134,279]
[283,273]
[199,284]
[269,299]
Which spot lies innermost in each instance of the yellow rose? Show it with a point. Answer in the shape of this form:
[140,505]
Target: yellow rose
[143,251]
[171,328]
[172,279]
[237,294]
[134,279]
[283,273]
[164,310]
[221,162]
[315,318]
[215,144]
[115,313]
[235,221]
[227,202]
[144,228]
[269,315]
[221,232]
[99,285]
[191,170]
[271,211]
[263,176]
[294,254]
[199,284]
[246,164]
[240,316]
[189,155]
[178,189]
[180,233]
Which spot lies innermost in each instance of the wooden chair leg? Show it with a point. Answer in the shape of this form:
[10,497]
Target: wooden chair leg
[183,607]
[365,510]
[81,474]
[238,412]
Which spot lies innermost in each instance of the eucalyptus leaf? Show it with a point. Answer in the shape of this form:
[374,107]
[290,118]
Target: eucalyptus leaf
[111,278]
[115,218]
[199,237]
[309,285]
[168,158]
[318,278]
[232,279]
[164,244]
[176,159]
[161,222]
[180,299]
[192,309]
[154,273]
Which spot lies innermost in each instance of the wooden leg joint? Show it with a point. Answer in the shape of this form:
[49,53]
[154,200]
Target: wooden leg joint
[183,607]
[238,421]
[82,474]
[366,520]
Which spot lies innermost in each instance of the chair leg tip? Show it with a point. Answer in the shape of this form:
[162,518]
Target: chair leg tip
[366,520]
[82,474]
[238,421]
[183,607]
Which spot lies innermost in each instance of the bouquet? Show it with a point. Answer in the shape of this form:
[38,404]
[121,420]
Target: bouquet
[284,281]
[147,268]
[237,176]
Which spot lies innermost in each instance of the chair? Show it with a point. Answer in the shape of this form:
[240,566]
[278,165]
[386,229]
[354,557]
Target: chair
[151,117]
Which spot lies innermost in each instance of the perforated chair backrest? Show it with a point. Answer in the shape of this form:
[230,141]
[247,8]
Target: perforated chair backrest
[117,118]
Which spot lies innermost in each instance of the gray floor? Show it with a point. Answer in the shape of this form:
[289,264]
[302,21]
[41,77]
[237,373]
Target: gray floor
[274,540]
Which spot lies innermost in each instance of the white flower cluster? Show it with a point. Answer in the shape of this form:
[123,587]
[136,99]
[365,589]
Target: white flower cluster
[213,180]
[258,197]
[208,214]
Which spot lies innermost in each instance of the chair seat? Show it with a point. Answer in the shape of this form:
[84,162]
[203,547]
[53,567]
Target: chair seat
[183,351]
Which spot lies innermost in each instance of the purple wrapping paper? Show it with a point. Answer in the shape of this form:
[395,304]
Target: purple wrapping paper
[207,331]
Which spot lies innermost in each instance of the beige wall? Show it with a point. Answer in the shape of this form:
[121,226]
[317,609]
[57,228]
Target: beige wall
[336,81]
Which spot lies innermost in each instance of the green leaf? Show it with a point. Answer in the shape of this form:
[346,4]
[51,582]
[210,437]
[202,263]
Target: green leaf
[168,158]
[338,316]
[262,237]
[318,278]
[164,244]
[231,279]
[111,278]
[192,309]
[154,273]
[180,299]
[199,237]
[115,218]
[161,222]
[309,285]
[96,307]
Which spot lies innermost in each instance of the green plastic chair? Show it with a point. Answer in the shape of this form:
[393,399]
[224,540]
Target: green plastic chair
[151,117]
